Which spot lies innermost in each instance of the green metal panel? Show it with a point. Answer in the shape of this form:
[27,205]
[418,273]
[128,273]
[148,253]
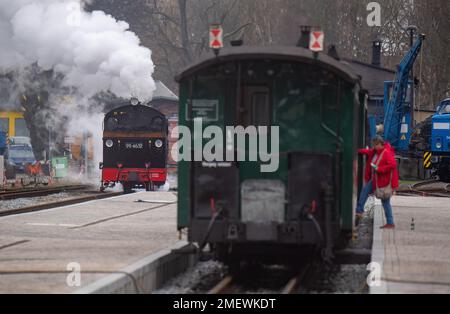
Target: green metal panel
[363,139]
[348,191]
[218,95]
[60,167]
[184,185]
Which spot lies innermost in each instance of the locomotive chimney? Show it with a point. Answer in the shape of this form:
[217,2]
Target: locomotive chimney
[332,52]
[304,39]
[376,52]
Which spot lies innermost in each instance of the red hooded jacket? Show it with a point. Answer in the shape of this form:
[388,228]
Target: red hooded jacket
[386,166]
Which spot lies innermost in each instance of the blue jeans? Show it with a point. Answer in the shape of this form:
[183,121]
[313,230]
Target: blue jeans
[366,191]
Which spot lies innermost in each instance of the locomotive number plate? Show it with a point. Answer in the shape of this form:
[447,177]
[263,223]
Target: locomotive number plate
[134,145]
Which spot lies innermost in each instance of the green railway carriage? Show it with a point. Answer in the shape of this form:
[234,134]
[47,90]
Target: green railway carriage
[319,107]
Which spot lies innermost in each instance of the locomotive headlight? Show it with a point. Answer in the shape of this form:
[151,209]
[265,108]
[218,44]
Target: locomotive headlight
[109,143]
[439,145]
[158,143]
[134,101]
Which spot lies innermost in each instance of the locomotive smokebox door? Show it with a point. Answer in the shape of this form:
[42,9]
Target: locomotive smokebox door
[309,174]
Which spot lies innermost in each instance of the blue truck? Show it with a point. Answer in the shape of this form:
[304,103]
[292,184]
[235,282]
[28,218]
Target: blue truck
[440,141]
[18,154]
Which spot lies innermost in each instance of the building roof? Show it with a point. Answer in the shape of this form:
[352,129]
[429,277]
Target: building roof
[163,92]
[278,53]
[373,77]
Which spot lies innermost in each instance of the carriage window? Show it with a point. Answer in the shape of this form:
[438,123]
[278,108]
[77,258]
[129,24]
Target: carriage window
[157,124]
[261,109]
[135,120]
[445,109]
[112,123]
[255,107]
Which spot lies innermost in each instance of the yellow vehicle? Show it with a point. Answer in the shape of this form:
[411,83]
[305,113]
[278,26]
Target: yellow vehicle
[13,123]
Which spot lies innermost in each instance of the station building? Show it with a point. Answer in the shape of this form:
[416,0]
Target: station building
[12,119]
[13,123]
[165,101]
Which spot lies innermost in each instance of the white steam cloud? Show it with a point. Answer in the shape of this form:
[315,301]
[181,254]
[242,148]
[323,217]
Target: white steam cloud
[94,51]
[89,52]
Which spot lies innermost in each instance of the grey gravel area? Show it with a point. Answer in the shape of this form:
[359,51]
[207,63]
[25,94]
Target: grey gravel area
[197,280]
[341,279]
[32,201]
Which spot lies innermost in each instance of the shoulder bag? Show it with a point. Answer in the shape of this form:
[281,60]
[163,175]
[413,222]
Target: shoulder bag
[386,192]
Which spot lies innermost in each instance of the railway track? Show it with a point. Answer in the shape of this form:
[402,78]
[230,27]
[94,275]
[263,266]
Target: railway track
[447,188]
[66,202]
[26,193]
[433,188]
[235,284]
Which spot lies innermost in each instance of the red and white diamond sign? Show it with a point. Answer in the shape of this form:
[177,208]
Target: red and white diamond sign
[216,37]
[316,41]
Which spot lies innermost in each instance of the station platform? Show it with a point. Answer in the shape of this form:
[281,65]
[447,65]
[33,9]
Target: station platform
[103,237]
[415,257]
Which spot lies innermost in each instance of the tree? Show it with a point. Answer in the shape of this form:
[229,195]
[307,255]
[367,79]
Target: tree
[177,30]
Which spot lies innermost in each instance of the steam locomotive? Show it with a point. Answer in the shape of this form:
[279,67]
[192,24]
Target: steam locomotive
[135,148]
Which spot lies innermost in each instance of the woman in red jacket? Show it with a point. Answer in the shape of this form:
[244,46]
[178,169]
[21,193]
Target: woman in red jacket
[381,170]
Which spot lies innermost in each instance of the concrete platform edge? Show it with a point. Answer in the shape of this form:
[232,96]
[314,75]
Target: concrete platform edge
[378,248]
[144,276]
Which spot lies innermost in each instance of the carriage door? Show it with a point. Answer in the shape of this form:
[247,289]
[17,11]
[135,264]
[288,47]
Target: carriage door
[262,200]
[255,108]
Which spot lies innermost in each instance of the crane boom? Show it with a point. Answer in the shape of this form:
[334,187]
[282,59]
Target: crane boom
[397,119]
